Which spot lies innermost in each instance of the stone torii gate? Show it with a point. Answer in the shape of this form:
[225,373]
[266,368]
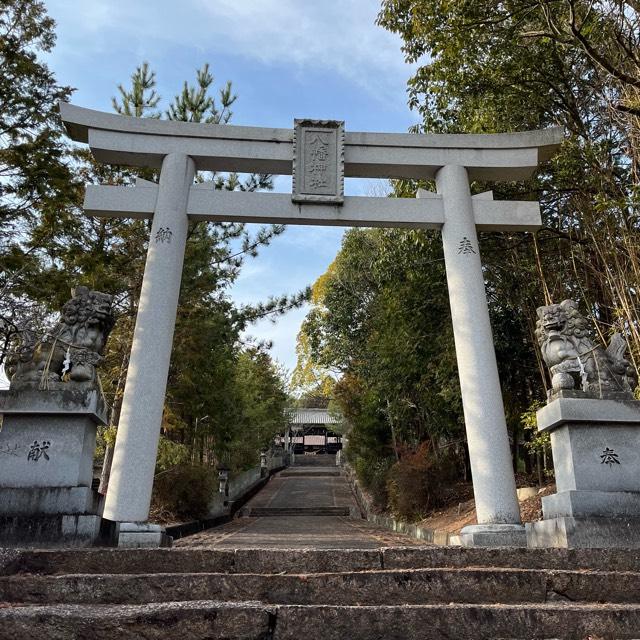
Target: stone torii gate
[319,154]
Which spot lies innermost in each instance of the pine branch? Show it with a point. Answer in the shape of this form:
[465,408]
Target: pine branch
[273,307]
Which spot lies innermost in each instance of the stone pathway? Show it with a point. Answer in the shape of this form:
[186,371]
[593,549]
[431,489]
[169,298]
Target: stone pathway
[300,489]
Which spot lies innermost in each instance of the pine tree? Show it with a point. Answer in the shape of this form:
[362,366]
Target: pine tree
[141,97]
[34,177]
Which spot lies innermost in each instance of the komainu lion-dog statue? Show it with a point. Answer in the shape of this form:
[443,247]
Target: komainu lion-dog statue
[575,361]
[67,356]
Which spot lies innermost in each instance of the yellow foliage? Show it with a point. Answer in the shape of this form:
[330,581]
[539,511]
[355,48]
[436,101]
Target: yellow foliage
[308,375]
[319,288]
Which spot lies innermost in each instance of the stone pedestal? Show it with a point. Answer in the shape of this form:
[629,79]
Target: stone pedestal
[47,445]
[596,456]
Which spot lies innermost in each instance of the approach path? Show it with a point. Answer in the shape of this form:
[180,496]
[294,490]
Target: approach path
[301,507]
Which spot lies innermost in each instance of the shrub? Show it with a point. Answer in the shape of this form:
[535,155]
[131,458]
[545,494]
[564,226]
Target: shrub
[372,474]
[105,437]
[171,454]
[416,484]
[183,493]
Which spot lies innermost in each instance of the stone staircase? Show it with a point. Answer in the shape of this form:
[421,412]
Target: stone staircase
[305,490]
[310,472]
[258,594]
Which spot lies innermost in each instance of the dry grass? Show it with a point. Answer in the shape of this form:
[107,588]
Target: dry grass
[461,510]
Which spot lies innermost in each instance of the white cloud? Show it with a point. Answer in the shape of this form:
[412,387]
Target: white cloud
[322,242]
[334,35]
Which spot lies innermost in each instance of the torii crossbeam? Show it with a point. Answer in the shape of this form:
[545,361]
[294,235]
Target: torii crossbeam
[319,154]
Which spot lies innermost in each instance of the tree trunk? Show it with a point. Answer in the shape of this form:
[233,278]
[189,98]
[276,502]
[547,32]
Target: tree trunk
[539,467]
[106,470]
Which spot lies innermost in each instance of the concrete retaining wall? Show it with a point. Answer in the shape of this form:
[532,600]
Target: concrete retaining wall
[242,483]
[246,481]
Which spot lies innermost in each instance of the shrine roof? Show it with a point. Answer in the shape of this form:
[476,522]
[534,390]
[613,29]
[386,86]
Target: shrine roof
[312,416]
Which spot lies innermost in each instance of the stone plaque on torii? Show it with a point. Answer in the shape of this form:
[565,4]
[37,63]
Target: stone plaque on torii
[319,154]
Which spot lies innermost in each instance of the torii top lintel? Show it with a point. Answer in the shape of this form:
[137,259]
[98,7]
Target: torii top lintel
[144,142]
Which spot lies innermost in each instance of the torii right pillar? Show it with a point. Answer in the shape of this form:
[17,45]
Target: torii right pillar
[497,509]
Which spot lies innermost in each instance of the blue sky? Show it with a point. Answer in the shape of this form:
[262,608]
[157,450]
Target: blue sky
[286,58]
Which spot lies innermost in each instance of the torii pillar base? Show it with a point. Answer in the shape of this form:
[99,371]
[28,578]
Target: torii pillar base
[493,535]
[140,535]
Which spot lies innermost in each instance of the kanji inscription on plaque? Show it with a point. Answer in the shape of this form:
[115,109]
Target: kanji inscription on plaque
[318,161]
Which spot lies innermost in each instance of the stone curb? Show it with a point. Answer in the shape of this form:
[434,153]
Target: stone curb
[295,561]
[479,585]
[434,536]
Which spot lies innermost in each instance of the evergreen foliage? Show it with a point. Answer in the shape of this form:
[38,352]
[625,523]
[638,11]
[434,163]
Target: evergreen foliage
[34,174]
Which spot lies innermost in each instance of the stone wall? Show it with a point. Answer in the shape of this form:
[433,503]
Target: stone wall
[242,484]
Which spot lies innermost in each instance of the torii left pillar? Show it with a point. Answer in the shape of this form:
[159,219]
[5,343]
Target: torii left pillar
[134,458]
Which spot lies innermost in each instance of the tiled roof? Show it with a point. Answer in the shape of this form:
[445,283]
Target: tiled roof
[311,416]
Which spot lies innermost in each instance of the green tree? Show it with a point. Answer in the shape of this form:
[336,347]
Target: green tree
[206,348]
[491,67]
[53,246]
[109,254]
[524,64]
[261,402]
[34,174]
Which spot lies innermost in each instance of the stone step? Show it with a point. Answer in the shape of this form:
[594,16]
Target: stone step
[310,473]
[211,620]
[110,561]
[322,460]
[417,586]
[271,512]
[194,620]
